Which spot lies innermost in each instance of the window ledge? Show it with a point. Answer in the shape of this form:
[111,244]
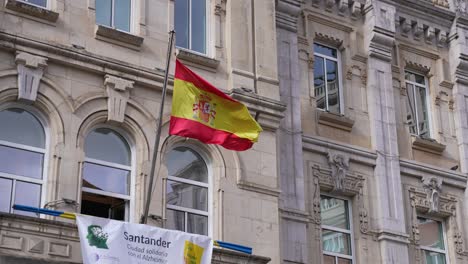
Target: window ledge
[32,10]
[334,120]
[199,59]
[428,145]
[118,37]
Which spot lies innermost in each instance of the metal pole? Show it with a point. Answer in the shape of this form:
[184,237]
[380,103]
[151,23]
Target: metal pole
[158,132]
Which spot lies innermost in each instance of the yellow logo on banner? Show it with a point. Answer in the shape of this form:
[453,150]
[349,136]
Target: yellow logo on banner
[192,253]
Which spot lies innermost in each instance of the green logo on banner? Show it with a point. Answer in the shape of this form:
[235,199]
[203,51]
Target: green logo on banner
[96,237]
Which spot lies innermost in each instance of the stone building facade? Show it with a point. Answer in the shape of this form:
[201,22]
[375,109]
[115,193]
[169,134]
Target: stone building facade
[373,147]
[80,90]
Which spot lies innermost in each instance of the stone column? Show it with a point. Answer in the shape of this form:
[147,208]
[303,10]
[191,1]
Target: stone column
[386,193]
[292,204]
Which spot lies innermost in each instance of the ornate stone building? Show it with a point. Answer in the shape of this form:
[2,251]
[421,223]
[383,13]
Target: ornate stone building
[80,90]
[373,147]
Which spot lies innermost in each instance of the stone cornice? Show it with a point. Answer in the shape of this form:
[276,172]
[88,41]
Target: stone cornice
[287,12]
[417,169]
[424,10]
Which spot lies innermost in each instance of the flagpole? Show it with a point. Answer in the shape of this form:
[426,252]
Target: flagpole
[158,133]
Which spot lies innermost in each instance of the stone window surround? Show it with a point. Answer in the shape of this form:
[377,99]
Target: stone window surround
[34,11]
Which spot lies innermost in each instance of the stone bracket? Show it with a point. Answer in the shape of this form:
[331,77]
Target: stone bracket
[30,70]
[118,93]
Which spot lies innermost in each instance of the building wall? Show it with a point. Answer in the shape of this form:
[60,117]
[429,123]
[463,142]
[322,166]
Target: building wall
[90,76]
[391,174]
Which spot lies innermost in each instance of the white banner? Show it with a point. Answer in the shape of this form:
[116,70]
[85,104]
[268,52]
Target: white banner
[106,241]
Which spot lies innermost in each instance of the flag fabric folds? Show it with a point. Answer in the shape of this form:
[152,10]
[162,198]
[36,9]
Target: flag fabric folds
[201,111]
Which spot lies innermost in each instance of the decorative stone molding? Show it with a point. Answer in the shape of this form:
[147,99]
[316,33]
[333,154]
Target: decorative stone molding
[428,145]
[32,10]
[418,30]
[423,69]
[118,37]
[220,7]
[30,70]
[335,120]
[328,40]
[118,93]
[197,59]
[433,186]
[461,7]
[338,180]
[287,13]
[357,71]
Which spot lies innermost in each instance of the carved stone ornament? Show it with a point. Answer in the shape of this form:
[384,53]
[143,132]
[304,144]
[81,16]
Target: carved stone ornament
[326,39]
[337,179]
[30,70]
[118,94]
[430,201]
[417,67]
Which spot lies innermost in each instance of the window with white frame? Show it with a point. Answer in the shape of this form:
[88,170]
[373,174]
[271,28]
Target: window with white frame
[417,115]
[432,241]
[22,154]
[106,176]
[114,14]
[187,191]
[40,3]
[327,83]
[336,231]
[190,24]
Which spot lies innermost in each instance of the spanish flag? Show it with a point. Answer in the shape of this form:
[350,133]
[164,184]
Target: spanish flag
[201,111]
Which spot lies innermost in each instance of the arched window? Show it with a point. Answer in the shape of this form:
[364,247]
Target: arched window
[187,191]
[106,175]
[22,152]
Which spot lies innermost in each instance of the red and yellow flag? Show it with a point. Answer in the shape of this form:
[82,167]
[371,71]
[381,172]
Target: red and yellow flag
[201,111]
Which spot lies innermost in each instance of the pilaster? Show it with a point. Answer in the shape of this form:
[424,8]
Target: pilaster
[389,220]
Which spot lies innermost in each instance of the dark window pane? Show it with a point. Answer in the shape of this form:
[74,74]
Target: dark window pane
[187,195]
[328,259]
[336,242]
[197,224]
[423,117]
[42,3]
[333,87]
[175,220]
[27,194]
[21,127]
[106,178]
[105,144]
[104,12]
[409,76]
[324,50]
[186,163]
[21,162]
[181,23]
[103,206]
[344,261]
[419,79]
[334,212]
[411,110]
[319,82]
[198,19]
[434,257]
[122,11]
[5,194]
[431,233]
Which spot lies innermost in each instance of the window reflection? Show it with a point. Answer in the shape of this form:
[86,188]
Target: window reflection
[327,93]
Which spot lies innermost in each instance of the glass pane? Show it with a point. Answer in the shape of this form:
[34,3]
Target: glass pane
[411,109]
[5,194]
[333,87]
[419,79]
[328,259]
[122,11]
[434,257]
[105,144]
[23,128]
[423,121]
[175,220]
[344,261]
[409,76]
[334,212]
[198,20]
[319,82]
[181,23]
[431,233]
[21,162]
[27,194]
[103,206]
[42,3]
[336,242]
[324,50]
[104,12]
[106,178]
[187,195]
[186,163]
[197,224]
